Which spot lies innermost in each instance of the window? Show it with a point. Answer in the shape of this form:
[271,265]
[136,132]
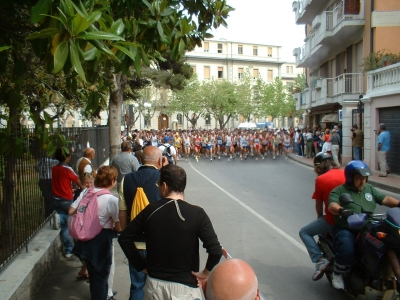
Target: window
[220,72]
[256,94]
[255,73]
[269,52]
[206,72]
[269,75]
[255,50]
[240,73]
[206,46]
[194,69]
[240,49]
[291,69]
[219,48]
[179,117]
[208,119]
[287,69]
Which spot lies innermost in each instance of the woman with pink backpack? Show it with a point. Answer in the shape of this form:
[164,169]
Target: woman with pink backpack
[95,248]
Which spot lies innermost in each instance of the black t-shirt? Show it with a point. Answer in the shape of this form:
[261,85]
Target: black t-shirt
[172,244]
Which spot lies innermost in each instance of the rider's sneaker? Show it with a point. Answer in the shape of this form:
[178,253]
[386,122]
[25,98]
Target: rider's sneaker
[320,268]
[337,281]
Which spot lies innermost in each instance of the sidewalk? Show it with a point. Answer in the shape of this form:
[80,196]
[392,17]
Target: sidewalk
[390,183]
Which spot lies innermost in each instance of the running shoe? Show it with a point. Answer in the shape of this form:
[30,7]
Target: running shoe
[262,157]
[274,157]
[197,158]
[186,159]
[320,268]
[219,157]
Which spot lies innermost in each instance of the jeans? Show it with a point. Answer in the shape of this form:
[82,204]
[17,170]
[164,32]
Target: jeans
[344,246]
[357,153]
[138,280]
[307,233]
[62,208]
[98,282]
[310,144]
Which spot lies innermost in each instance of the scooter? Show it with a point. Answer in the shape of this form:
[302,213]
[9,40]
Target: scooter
[374,270]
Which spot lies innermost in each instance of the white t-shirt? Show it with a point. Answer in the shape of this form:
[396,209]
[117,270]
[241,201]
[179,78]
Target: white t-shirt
[107,206]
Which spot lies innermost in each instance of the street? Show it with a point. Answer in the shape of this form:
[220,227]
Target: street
[257,209]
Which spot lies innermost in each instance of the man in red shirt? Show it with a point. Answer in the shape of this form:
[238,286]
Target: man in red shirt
[329,177]
[62,177]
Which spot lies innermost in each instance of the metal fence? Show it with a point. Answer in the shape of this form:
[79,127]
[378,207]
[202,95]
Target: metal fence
[25,198]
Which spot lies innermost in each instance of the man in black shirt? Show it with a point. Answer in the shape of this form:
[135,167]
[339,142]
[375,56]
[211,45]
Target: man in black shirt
[145,177]
[172,229]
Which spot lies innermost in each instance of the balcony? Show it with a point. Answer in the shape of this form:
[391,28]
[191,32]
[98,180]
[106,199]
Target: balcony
[330,33]
[345,87]
[306,10]
[384,81]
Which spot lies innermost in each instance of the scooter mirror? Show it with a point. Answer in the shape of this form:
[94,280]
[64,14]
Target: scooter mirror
[345,199]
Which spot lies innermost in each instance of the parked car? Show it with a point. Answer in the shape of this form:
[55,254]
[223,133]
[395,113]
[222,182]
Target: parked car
[265,125]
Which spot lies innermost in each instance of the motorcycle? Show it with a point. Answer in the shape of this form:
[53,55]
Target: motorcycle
[374,269]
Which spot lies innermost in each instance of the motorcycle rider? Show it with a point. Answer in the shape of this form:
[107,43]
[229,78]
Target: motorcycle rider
[329,177]
[356,173]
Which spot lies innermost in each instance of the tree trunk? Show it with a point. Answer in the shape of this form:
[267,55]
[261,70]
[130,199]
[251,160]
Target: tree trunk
[115,111]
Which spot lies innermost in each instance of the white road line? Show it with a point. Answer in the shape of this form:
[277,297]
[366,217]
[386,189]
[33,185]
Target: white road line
[250,210]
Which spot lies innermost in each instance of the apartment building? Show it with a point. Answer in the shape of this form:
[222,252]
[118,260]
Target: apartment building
[339,35]
[229,60]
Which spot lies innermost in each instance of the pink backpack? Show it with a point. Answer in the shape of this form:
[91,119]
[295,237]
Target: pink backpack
[85,223]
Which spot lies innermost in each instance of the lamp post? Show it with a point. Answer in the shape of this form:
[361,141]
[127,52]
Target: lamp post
[360,109]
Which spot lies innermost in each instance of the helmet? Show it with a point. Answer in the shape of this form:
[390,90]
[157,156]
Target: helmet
[356,167]
[320,157]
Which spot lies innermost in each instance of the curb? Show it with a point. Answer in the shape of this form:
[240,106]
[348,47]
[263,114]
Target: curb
[23,276]
[386,187]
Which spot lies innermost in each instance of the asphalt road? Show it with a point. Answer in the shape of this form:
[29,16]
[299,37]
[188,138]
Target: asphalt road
[257,209]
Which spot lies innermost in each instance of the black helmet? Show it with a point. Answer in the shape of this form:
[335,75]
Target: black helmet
[356,167]
[320,157]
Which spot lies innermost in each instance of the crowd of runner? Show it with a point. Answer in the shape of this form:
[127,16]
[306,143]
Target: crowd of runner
[219,144]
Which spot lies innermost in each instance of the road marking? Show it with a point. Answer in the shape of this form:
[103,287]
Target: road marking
[250,210]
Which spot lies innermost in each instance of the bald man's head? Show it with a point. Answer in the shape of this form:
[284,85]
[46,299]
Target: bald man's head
[89,153]
[233,279]
[152,156]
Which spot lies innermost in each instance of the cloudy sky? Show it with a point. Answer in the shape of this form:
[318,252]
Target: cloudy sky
[265,22]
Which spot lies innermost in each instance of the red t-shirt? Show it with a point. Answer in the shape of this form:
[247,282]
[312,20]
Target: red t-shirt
[62,175]
[324,184]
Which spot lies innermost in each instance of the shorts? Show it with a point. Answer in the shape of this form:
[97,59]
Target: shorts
[257,146]
[287,147]
[208,147]
[228,145]
[197,147]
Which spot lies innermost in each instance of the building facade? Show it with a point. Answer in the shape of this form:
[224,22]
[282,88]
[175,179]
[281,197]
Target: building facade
[229,60]
[340,34]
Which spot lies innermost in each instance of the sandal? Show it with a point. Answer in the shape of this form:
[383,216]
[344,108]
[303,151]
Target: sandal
[82,276]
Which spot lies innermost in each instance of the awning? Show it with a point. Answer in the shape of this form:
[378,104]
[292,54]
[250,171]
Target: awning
[330,118]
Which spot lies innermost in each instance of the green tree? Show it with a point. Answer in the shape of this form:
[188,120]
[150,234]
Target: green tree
[220,99]
[249,102]
[188,101]
[118,37]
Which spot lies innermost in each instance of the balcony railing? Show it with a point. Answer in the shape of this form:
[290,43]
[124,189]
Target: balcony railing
[333,18]
[384,78]
[347,83]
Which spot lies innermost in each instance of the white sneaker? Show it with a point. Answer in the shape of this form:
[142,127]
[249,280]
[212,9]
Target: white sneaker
[337,281]
[68,255]
[228,159]
[56,221]
[320,268]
